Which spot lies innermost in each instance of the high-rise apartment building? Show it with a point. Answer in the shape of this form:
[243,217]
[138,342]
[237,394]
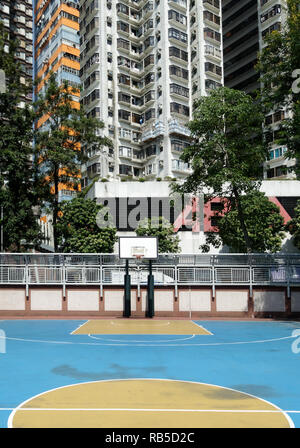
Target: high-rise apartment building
[56,35]
[16,17]
[240,44]
[273,16]
[143,62]
[245,26]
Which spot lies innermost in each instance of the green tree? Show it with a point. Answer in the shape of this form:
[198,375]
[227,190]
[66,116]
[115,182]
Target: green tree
[58,140]
[18,195]
[168,241]
[227,150]
[77,228]
[263,220]
[293,226]
[279,67]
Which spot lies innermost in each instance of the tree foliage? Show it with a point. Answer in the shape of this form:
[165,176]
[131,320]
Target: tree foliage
[168,241]
[58,140]
[77,228]
[227,149]
[293,226]
[263,220]
[279,67]
[18,193]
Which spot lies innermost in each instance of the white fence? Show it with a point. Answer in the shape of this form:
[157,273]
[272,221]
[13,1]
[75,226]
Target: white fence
[106,269]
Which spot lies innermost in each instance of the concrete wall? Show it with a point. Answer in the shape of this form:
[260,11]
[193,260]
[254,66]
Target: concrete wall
[12,299]
[232,300]
[295,301]
[46,299]
[268,301]
[194,302]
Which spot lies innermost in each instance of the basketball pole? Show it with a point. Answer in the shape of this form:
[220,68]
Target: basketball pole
[127,292]
[150,291]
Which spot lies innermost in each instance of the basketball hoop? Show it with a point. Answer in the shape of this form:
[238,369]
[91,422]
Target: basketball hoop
[136,248]
[139,258]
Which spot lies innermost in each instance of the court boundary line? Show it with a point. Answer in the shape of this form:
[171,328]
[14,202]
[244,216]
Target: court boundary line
[81,325]
[112,340]
[126,344]
[19,407]
[203,328]
[150,323]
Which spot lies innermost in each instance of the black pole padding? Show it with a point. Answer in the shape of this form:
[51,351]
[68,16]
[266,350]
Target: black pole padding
[127,292]
[150,292]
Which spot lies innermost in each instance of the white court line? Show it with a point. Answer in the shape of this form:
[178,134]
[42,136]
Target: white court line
[119,340]
[142,324]
[203,328]
[12,414]
[79,326]
[278,411]
[149,345]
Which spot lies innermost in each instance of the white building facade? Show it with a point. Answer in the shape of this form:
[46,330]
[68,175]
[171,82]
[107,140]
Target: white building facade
[143,63]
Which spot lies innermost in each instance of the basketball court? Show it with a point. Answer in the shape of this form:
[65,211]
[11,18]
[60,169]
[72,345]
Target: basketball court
[149,373]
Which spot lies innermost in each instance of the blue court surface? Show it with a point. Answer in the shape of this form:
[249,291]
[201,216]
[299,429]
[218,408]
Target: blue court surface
[259,359]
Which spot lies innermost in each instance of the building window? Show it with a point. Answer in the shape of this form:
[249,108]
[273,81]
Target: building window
[174,15]
[122,9]
[124,115]
[149,114]
[180,109]
[179,35]
[125,169]
[125,151]
[179,71]
[179,90]
[274,11]
[212,34]
[275,27]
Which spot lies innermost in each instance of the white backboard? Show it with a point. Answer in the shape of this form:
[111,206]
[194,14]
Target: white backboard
[130,247]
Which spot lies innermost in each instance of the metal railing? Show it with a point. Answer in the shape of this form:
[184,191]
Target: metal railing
[108,269]
[58,259]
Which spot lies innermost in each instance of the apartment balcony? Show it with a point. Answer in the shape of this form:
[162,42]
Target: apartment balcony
[213,53]
[123,46]
[181,5]
[213,70]
[175,127]
[134,18]
[180,25]
[180,167]
[211,24]
[149,10]
[266,4]
[153,131]
[123,11]
[212,5]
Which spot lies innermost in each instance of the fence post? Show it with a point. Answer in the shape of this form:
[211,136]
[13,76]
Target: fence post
[101,279]
[26,281]
[176,281]
[64,279]
[213,278]
[288,272]
[250,278]
[138,281]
